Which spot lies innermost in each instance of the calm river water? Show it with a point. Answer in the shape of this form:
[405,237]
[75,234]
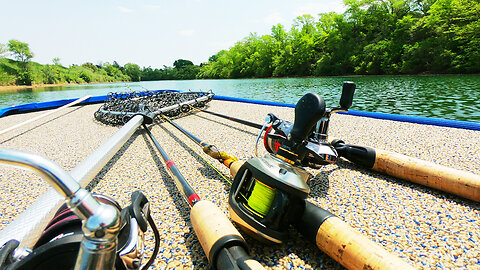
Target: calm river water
[450,96]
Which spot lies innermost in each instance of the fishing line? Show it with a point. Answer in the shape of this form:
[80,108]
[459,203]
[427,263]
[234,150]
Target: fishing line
[257,196]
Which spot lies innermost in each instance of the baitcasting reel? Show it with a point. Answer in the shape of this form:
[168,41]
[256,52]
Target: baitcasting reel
[318,150]
[268,193]
[59,243]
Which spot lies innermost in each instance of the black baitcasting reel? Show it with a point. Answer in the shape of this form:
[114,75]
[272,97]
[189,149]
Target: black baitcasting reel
[318,151]
[268,193]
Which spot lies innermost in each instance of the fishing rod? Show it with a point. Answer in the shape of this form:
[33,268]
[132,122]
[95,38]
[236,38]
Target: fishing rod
[131,110]
[223,244]
[127,109]
[231,118]
[324,150]
[269,193]
[90,231]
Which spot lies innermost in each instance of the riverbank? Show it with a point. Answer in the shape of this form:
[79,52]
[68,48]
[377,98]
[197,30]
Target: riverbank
[448,96]
[19,88]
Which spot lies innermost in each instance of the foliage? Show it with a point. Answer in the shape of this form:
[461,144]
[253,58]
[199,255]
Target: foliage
[133,71]
[3,50]
[371,37]
[20,50]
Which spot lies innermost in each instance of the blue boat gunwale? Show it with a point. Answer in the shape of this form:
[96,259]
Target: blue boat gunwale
[32,107]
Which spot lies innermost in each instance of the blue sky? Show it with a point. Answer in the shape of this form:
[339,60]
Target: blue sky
[147,32]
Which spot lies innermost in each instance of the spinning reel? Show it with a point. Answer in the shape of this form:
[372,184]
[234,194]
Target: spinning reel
[318,151]
[268,193]
[60,241]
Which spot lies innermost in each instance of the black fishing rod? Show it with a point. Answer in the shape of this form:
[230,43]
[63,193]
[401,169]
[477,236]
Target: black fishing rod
[268,194]
[241,121]
[324,150]
[207,148]
[224,246]
[130,110]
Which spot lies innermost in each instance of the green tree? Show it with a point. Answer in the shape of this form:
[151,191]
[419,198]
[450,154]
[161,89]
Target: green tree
[133,71]
[56,61]
[90,66]
[22,53]
[182,63]
[20,50]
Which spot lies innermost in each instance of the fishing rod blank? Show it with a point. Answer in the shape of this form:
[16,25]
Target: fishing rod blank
[241,121]
[224,246]
[453,181]
[268,194]
[207,148]
[28,226]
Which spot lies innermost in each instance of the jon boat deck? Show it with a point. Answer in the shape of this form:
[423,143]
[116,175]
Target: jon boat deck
[428,228]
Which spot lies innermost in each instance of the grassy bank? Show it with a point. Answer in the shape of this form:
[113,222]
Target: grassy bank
[19,74]
[19,88]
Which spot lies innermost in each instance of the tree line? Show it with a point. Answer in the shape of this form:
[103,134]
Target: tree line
[16,68]
[372,37]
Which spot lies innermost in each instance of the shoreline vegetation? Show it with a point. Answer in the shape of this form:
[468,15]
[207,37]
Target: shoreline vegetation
[18,88]
[372,37]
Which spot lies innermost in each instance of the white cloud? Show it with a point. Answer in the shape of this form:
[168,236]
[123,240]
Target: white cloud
[187,32]
[315,8]
[273,19]
[124,9]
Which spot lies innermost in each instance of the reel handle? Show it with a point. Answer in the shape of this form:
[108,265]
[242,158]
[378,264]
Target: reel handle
[308,111]
[348,89]
[342,243]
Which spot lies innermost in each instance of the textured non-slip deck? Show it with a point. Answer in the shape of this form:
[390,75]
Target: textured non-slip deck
[427,228]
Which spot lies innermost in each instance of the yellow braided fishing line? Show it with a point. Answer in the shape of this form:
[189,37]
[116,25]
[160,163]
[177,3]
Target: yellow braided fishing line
[261,198]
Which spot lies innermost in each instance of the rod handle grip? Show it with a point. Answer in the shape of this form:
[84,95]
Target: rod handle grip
[353,250]
[461,183]
[342,243]
[217,235]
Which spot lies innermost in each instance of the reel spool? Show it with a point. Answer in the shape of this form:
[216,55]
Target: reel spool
[58,246]
[268,192]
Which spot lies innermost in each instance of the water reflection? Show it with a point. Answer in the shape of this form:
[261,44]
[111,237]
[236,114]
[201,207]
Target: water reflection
[450,96]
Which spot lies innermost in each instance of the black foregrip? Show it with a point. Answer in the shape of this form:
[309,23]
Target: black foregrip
[226,251]
[311,220]
[232,258]
[348,90]
[309,109]
[361,155]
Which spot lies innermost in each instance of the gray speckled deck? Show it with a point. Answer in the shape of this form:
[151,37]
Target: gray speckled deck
[428,228]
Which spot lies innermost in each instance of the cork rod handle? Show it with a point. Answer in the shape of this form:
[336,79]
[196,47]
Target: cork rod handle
[429,174]
[216,233]
[353,250]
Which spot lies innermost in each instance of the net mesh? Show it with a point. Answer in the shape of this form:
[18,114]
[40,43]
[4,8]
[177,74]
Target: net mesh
[121,107]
